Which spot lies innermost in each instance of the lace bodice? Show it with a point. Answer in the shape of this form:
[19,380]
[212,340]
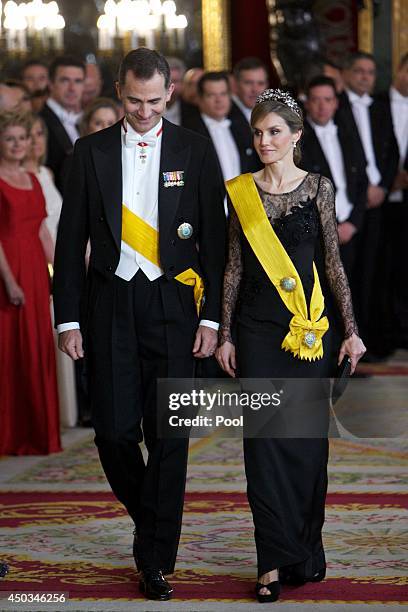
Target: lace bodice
[297,217]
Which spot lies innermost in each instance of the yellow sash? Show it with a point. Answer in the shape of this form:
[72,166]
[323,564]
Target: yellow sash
[304,338]
[144,239]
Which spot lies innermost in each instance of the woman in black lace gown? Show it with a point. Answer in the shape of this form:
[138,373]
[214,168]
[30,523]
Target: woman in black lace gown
[287,477]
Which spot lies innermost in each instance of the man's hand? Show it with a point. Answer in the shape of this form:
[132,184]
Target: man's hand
[375,196]
[401,181]
[70,342]
[205,342]
[346,231]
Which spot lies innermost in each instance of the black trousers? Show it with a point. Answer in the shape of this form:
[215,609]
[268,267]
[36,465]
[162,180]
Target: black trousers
[286,476]
[139,331]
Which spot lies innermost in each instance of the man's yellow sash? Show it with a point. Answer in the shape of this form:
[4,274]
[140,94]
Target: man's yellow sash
[304,338]
[144,239]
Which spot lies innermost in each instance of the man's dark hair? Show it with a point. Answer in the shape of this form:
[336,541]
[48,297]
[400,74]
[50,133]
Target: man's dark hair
[211,77]
[403,61]
[65,60]
[357,55]
[319,81]
[248,63]
[144,63]
[32,62]
[327,62]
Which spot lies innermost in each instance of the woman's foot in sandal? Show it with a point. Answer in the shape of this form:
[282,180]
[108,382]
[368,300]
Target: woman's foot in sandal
[267,588]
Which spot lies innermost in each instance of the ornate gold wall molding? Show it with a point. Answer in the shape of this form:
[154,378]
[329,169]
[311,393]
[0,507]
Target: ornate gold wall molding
[399,31]
[366,27]
[216,34]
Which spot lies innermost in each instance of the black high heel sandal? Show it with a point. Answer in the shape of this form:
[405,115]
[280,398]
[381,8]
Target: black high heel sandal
[273,588]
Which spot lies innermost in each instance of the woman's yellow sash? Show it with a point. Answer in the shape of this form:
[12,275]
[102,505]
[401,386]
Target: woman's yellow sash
[304,338]
[144,239]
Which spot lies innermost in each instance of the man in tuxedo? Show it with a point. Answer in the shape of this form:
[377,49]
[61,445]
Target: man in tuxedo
[373,135]
[34,75]
[62,112]
[235,152]
[251,79]
[143,177]
[178,110]
[394,314]
[328,150]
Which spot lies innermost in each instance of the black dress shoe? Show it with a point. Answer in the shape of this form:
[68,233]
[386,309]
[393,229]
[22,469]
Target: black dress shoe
[273,588]
[155,586]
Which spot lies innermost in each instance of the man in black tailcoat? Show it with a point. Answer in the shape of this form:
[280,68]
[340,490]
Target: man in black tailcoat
[133,320]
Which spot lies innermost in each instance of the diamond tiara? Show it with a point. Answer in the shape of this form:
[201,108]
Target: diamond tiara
[280,96]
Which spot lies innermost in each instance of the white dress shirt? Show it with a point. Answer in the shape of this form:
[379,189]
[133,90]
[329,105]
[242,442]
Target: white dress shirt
[173,113]
[245,110]
[140,193]
[399,114]
[329,141]
[360,106]
[225,146]
[68,119]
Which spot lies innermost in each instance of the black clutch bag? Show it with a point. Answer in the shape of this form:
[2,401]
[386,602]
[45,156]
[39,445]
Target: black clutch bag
[341,380]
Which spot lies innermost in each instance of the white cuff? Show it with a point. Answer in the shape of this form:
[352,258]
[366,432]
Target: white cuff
[67,326]
[211,324]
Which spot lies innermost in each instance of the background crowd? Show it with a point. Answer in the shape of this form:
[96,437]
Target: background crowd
[354,135]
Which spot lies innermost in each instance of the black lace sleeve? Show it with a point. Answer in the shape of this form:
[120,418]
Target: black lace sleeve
[232,277]
[334,268]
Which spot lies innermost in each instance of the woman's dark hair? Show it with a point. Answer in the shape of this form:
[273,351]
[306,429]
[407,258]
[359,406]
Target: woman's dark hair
[144,63]
[292,119]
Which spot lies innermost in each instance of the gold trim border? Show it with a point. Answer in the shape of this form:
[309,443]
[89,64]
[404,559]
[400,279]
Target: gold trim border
[216,34]
[399,31]
[366,28]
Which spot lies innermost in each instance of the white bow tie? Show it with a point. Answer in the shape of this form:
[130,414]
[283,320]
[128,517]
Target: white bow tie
[71,118]
[365,100]
[224,123]
[132,140]
[327,130]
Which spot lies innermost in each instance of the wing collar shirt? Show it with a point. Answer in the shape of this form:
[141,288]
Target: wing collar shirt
[244,109]
[140,193]
[329,142]
[360,106]
[399,114]
[68,119]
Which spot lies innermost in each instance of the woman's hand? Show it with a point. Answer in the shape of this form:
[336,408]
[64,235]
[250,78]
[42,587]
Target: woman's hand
[354,348]
[15,294]
[225,355]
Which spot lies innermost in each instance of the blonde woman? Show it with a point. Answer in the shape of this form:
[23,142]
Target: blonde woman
[28,384]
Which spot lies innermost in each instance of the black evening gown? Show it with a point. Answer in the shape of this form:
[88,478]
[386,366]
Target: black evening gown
[286,476]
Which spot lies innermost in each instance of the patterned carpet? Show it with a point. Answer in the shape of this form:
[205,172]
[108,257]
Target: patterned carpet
[61,530]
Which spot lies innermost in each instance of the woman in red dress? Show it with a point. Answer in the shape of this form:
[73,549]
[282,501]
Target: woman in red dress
[28,387]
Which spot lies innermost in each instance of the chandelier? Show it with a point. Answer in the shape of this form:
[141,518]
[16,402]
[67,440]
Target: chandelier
[35,25]
[128,24]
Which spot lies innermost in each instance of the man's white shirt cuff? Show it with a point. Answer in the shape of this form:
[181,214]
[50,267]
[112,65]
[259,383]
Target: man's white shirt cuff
[67,326]
[211,324]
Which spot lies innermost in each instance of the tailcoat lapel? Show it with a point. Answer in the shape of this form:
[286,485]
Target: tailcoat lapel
[107,156]
[175,155]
